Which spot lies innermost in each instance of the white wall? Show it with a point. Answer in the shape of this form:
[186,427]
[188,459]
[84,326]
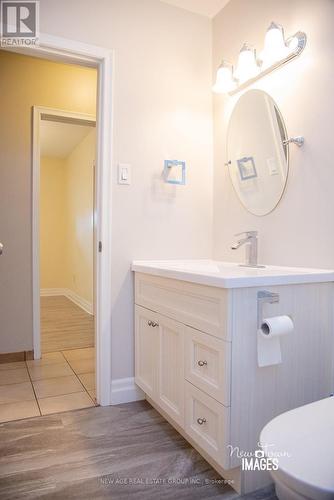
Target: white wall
[300,231]
[162,109]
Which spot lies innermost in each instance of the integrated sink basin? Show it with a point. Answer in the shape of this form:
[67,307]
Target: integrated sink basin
[229,274]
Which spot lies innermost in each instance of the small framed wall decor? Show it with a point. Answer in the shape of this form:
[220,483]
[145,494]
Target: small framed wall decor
[247,169]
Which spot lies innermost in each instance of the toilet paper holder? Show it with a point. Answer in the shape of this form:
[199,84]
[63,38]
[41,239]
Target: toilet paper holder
[264,297]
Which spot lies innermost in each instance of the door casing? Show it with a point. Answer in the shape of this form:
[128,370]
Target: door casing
[74,52]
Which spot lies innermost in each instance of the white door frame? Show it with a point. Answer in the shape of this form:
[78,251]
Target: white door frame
[70,51]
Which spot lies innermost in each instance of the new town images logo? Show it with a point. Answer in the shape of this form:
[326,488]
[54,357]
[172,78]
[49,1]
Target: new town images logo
[19,23]
[261,459]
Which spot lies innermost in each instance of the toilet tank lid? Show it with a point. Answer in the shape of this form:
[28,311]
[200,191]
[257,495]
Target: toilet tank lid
[303,441]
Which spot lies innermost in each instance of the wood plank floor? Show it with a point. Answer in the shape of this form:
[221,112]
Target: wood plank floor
[119,452]
[64,325]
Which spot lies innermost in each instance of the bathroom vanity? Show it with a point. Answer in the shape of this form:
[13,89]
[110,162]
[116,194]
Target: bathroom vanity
[196,352]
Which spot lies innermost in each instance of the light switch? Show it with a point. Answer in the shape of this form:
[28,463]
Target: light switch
[272,166]
[124,173]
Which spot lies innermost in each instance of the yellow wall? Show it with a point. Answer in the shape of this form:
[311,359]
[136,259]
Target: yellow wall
[25,82]
[80,209]
[66,215]
[53,200]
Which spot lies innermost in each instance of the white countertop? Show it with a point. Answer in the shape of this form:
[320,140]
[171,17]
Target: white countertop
[229,274]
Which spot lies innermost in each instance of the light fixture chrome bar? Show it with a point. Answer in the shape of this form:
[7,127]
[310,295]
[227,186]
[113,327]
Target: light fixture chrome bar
[301,38]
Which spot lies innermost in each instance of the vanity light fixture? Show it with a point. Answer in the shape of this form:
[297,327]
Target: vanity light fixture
[277,51]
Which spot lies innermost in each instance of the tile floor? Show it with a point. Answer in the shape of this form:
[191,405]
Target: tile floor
[120,452]
[60,381]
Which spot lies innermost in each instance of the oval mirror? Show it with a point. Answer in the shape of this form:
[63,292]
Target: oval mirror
[257,156]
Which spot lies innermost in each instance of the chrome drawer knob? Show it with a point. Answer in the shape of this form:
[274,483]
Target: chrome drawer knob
[201,421]
[152,323]
[202,363]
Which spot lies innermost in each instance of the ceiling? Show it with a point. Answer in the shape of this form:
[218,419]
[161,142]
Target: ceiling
[58,139]
[208,8]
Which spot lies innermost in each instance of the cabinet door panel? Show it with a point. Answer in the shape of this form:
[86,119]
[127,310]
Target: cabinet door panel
[171,369]
[146,351]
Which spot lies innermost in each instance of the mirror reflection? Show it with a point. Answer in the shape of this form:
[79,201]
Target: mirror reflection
[256,152]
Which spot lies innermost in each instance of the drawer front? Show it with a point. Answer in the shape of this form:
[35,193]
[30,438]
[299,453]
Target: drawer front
[207,422]
[208,364]
[202,307]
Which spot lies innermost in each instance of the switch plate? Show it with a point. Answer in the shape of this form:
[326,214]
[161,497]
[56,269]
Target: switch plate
[272,166]
[124,173]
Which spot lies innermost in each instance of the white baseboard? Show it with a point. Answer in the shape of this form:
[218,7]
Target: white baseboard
[79,301]
[74,297]
[124,390]
[52,292]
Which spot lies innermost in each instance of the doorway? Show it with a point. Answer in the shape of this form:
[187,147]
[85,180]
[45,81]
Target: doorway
[72,52]
[67,239]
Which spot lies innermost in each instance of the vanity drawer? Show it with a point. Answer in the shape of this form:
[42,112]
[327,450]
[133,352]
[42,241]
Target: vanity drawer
[202,307]
[207,422]
[208,364]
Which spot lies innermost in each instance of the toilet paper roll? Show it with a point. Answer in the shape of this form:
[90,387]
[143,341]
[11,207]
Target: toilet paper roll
[276,326]
[268,339]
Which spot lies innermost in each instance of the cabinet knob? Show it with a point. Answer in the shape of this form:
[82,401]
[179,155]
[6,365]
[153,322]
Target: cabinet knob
[201,421]
[152,323]
[202,363]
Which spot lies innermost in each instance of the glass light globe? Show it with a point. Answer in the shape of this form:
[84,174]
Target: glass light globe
[247,66]
[224,79]
[275,47]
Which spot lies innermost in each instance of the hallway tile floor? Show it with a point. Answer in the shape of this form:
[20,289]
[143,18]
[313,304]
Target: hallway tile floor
[60,381]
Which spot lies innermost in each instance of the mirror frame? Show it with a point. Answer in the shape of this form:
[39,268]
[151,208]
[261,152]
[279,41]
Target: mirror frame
[228,164]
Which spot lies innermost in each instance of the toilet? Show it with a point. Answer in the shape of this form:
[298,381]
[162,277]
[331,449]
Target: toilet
[303,441]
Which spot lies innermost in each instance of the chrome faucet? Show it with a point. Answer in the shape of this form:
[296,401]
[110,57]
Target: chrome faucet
[250,239]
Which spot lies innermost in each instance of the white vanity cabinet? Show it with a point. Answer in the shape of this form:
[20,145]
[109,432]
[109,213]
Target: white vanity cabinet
[196,361]
[185,371]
